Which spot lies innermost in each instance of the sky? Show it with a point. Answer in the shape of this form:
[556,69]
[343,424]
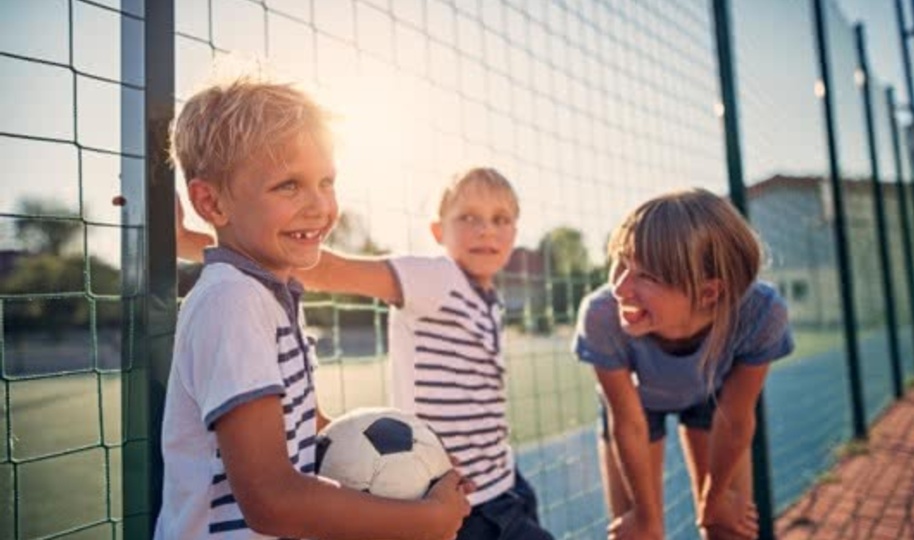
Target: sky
[588,108]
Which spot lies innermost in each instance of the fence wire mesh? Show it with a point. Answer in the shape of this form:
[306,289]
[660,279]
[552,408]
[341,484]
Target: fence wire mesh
[587,107]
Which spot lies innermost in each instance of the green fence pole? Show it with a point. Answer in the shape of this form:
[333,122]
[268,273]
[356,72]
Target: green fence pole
[843,249]
[903,35]
[902,203]
[761,467]
[157,315]
[879,209]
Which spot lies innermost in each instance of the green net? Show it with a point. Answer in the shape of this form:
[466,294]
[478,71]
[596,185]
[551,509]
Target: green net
[589,108]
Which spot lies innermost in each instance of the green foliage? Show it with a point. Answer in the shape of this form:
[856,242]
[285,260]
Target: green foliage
[571,272]
[50,273]
[351,235]
[852,448]
[565,250]
[42,234]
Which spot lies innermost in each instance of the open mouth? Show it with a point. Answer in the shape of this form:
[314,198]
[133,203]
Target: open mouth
[632,315]
[312,235]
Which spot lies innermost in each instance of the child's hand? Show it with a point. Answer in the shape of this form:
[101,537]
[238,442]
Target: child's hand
[450,504]
[629,526]
[729,517]
[467,485]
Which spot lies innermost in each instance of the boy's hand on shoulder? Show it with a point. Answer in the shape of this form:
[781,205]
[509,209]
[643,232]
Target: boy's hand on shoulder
[450,505]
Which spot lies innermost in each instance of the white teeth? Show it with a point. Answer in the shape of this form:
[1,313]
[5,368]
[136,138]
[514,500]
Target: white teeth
[310,235]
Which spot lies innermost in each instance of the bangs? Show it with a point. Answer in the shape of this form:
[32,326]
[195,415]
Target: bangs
[660,238]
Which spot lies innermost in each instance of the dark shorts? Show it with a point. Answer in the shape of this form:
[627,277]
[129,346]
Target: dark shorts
[510,516]
[697,416]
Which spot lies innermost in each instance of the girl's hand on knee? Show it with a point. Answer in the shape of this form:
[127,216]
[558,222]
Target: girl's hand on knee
[732,516]
[630,526]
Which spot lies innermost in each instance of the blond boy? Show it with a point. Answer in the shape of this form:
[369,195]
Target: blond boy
[240,412]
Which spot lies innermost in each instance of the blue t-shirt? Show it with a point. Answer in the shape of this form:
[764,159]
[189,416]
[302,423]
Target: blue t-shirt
[668,382]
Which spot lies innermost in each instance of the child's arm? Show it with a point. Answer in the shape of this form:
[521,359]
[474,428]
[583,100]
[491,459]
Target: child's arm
[730,439]
[365,276]
[629,436]
[278,501]
[335,272]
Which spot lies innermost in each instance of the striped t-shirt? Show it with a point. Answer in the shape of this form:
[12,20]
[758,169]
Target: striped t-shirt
[238,339]
[447,367]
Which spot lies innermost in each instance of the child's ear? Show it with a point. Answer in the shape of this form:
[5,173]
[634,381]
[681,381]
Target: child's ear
[711,291]
[207,201]
[437,231]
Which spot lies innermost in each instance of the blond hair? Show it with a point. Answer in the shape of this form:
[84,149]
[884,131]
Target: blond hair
[477,177]
[227,122]
[686,238]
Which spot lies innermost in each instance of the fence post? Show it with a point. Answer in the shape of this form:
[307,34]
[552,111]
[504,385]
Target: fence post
[885,261]
[843,249]
[726,70]
[902,203]
[903,35]
[153,331]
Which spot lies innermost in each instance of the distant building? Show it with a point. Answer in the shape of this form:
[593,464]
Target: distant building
[793,215]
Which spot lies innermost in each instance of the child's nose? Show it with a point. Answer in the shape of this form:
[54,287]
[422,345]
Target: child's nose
[484,226]
[622,286]
[318,202]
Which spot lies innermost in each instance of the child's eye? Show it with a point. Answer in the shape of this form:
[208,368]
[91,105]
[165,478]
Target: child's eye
[503,221]
[648,277]
[328,182]
[469,219]
[287,186]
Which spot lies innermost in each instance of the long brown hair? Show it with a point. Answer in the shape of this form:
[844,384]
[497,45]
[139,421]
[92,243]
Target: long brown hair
[686,238]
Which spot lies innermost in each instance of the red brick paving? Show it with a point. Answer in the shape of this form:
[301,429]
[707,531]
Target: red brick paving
[868,495]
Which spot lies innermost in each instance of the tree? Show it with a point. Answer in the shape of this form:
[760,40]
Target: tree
[67,274]
[564,249]
[569,268]
[352,236]
[41,234]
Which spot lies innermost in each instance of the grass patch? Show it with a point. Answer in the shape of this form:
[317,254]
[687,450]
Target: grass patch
[64,435]
[828,477]
[852,448]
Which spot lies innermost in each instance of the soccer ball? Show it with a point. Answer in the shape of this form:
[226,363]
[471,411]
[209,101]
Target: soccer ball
[382,451]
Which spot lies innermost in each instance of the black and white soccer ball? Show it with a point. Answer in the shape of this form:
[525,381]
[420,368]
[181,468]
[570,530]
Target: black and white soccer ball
[382,451]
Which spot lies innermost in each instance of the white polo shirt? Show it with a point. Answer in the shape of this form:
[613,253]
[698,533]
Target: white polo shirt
[238,339]
[447,367]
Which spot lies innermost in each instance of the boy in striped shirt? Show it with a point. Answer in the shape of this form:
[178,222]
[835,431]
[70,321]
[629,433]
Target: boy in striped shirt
[446,352]
[240,413]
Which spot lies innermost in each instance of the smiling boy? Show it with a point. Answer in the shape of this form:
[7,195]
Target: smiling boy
[238,435]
